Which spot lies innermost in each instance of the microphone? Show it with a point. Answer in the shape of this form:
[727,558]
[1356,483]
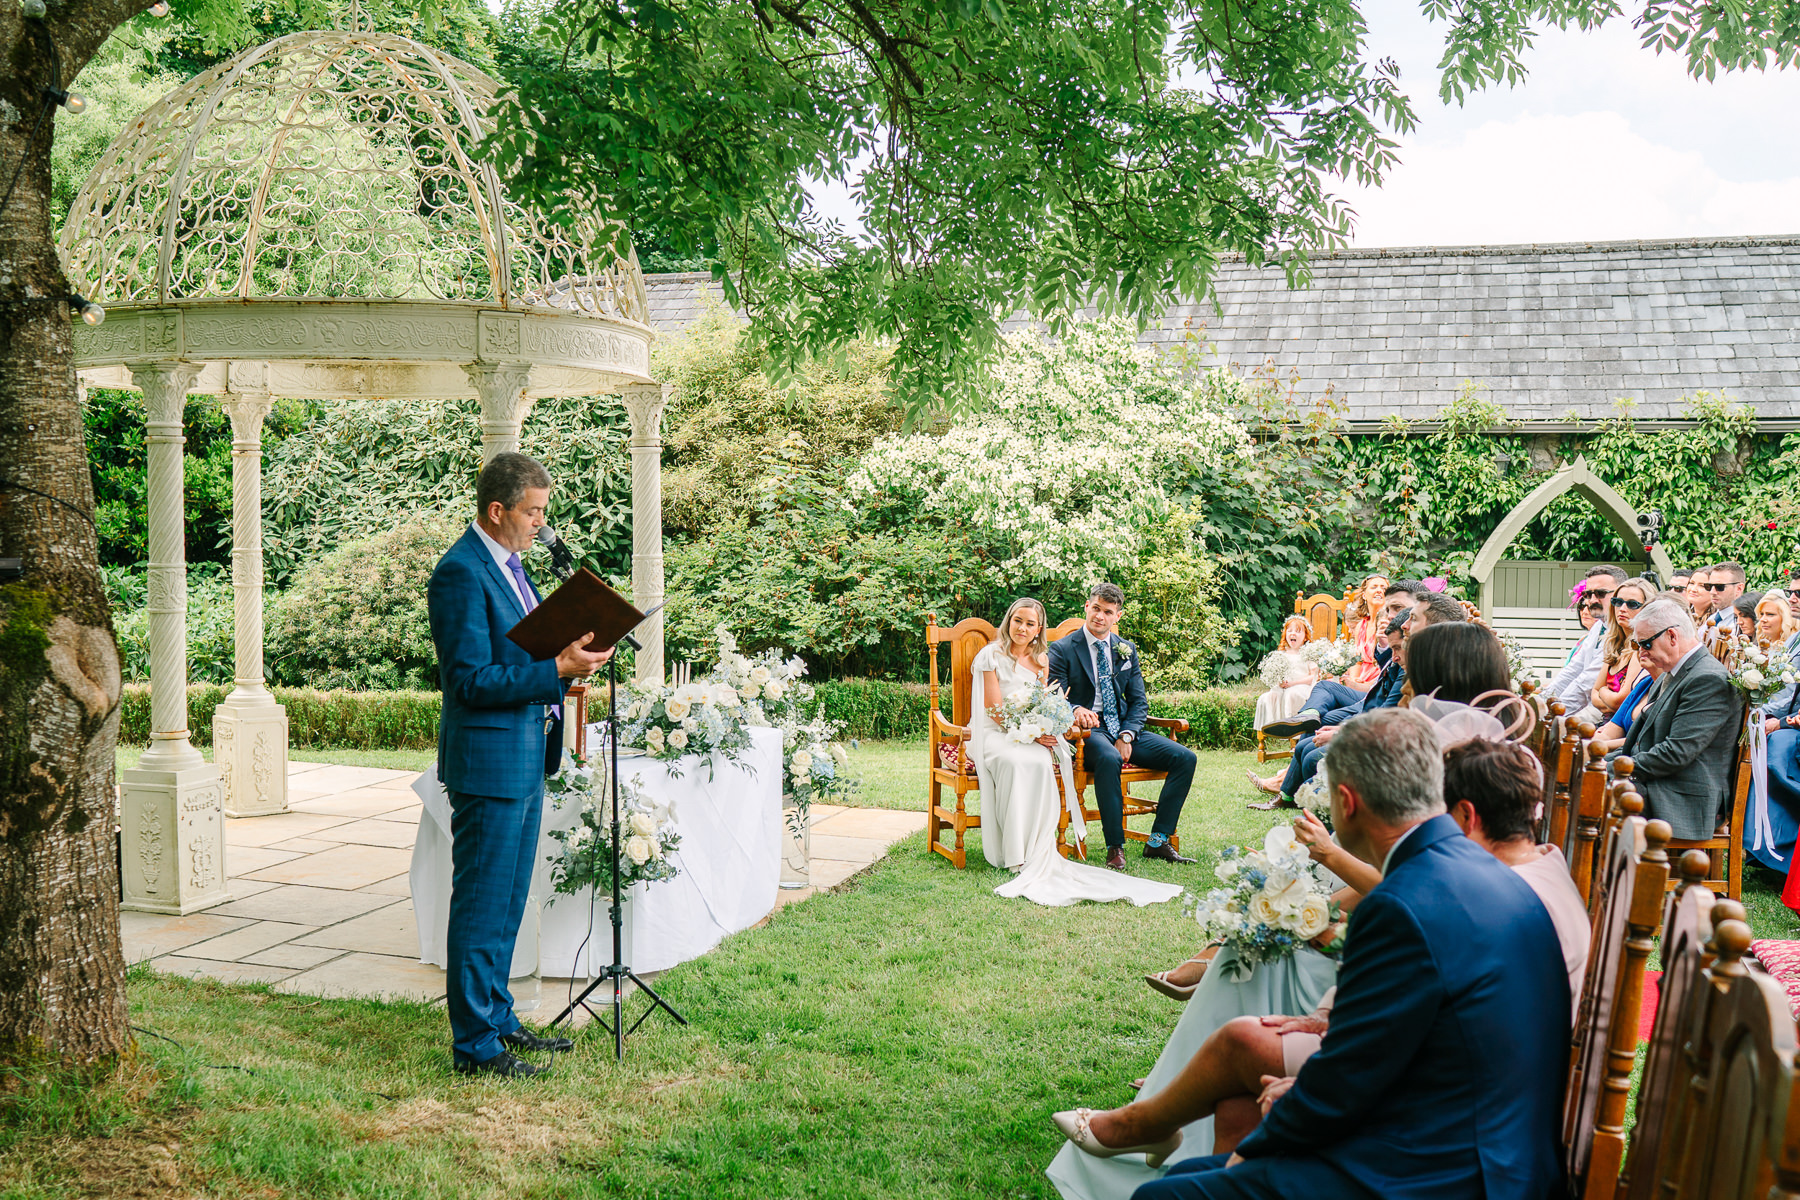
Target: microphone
[562,563]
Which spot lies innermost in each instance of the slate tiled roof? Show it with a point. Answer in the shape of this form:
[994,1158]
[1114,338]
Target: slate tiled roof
[1555,331]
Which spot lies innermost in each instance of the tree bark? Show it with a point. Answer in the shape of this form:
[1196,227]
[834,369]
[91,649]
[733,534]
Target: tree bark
[62,973]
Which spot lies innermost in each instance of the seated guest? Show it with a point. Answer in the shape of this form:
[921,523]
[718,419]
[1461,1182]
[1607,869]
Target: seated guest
[1611,735]
[1363,617]
[1587,612]
[1574,684]
[1620,667]
[1679,580]
[1744,610]
[1443,1070]
[1685,740]
[1793,595]
[1289,696]
[1776,625]
[1774,814]
[1456,661]
[1699,596]
[1725,582]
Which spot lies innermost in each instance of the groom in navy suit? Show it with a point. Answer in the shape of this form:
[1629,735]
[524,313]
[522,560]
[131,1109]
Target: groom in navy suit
[499,735]
[1441,1077]
[1099,672]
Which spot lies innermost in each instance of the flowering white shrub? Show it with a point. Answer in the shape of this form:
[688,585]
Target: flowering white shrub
[1068,461]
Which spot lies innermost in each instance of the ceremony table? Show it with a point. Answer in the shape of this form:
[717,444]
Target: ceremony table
[730,823]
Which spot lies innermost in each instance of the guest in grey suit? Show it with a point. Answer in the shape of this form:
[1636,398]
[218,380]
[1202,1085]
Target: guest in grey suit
[1686,739]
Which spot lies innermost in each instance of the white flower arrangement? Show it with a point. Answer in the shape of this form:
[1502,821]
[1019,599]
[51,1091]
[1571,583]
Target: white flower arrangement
[1274,669]
[1270,902]
[1315,797]
[646,830]
[1760,671]
[1516,667]
[770,687]
[1032,712]
[703,717]
[815,767]
[1333,658]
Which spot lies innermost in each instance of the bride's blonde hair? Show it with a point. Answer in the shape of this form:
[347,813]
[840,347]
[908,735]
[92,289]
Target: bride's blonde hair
[1039,647]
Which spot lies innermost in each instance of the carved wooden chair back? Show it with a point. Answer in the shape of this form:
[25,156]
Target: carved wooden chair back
[1726,851]
[1324,612]
[946,750]
[1544,746]
[1568,766]
[1736,1144]
[1662,1091]
[1587,803]
[1604,1045]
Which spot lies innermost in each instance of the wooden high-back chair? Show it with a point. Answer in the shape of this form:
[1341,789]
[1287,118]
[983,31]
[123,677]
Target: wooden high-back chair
[1544,745]
[1726,850]
[952,769]
[1569,760]
[1324,612]
[1662,1090]
[1587,802]
[1603,1051]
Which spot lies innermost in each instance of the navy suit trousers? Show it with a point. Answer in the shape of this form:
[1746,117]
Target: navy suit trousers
[1328,696]
[493,849]
[1149,750]
[1253,1179]
[1302,766]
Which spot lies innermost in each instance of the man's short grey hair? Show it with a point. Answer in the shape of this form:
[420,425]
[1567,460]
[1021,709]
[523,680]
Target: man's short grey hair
[1659,615]
[1441,608]
[1108,593]
[1392,759]
[505,479]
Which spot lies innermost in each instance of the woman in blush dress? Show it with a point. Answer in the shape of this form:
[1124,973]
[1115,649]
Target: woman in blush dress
[1366,610]
[1286,699]
[1020,799]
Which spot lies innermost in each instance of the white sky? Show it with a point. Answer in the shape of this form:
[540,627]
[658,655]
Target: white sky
[1604,141]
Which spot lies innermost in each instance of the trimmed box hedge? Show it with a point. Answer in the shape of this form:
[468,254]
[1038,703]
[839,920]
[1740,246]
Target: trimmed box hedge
[871,709]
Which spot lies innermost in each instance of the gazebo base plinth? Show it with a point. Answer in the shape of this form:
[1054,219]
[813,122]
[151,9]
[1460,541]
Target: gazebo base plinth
[250,748]
[172,826]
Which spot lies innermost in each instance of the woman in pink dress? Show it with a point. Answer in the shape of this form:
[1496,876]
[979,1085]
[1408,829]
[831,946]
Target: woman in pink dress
[1365,610]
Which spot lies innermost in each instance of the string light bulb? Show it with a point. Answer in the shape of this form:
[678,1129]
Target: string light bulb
[90,312]
[32,9]
[76,103]
[159,9]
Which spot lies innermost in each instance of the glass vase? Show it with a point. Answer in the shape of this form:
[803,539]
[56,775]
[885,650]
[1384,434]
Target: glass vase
[796,848]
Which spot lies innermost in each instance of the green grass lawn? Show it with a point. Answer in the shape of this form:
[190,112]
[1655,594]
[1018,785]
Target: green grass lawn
[904,1036]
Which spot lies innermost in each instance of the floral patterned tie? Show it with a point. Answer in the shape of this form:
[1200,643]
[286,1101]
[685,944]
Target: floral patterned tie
[1109,695]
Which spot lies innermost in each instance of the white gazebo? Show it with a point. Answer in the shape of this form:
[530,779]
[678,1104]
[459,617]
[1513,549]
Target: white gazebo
[311,219]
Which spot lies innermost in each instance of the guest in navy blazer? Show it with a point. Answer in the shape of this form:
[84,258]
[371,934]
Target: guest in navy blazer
[1441,1076]
[499,735]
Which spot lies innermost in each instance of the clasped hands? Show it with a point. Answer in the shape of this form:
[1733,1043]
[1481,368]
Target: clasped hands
[578,662]
[1087,718]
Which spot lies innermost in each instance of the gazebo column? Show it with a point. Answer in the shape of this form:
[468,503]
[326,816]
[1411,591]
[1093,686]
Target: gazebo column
[250,730]
[501,387]
[645,404]
[172,805]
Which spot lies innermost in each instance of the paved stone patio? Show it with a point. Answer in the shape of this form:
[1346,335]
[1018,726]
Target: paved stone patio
[320,903]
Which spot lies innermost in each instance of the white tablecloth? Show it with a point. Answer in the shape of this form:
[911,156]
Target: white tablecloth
[729,859]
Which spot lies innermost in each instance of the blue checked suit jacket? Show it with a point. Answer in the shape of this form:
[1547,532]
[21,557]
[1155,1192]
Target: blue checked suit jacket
[491,736]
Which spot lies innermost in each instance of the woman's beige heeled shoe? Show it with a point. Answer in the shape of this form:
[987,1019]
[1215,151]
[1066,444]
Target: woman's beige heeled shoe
[1074,1126]
[1159,982]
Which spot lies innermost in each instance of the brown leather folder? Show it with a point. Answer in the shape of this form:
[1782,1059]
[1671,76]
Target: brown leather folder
[582,605]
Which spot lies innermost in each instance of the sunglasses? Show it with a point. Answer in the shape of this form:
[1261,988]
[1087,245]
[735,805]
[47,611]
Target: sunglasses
[1633,605]
[1646,643]
[1793,591]
[1717,587]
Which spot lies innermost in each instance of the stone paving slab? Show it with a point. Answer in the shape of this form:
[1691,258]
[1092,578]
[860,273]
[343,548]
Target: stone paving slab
[393,834]
[278,827]
[224,972]
[885,824]
[827,873]
[380,976]
[390,930]
[242,859]
[399,885]
[298,957]
[252,938]
[334,778]
[305,845]
[146,935]
[340,867]
[851,849]
[363,802]
[320,906]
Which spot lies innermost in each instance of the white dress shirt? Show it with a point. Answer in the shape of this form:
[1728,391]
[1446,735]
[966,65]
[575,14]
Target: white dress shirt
[1574,684]
[501,554]
[1093,644]
[1390,854]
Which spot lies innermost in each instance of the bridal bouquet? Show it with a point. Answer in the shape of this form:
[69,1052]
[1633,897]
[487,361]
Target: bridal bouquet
[705,717]
[1315,797]
[1030,713]
[1758,671]
[1334,658]
[1274,669]
[646,831]
[1271,902]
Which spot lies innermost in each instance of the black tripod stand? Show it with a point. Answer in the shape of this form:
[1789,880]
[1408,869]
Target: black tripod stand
[617,972]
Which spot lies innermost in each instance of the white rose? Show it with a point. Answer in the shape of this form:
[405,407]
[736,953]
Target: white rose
[775,689]
[1229,921]
[642,824]
[638,850]
[1753,678]
[679,739]
[1226,869]
[801,762]
[654,740]
[676,709]
[840,755]
[1264,910]
[752,690]
[1313,918]
[727,697]
[759,676]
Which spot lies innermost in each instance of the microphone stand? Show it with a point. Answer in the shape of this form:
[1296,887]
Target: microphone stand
[616,971]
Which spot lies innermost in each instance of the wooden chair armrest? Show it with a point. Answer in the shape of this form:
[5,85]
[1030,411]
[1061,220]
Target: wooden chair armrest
[943,731]
[1175,725]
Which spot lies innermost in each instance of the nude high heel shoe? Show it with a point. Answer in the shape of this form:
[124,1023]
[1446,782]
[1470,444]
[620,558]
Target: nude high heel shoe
[1074,1126]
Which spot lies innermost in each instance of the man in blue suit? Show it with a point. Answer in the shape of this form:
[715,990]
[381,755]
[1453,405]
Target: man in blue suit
[1099,672]
[499,735]
[1441,1076]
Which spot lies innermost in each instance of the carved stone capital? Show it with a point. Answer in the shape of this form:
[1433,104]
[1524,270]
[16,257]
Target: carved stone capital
[645,403]
[165,386]
[247,411]
[504,406]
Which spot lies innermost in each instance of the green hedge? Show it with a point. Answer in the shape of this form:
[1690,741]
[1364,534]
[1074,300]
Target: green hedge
[871,709]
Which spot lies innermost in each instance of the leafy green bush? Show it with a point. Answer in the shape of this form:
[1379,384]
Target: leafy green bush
[877,709]
[1172,607]
[323,720]
[211,623]
[357,618]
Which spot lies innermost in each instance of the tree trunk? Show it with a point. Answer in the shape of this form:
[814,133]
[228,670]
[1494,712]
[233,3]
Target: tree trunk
[62,973]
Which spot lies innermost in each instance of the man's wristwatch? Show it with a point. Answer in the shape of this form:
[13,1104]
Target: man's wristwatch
[1128,736]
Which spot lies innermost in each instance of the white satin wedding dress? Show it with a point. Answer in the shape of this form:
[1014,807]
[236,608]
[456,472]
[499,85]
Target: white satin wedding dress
[1020,804]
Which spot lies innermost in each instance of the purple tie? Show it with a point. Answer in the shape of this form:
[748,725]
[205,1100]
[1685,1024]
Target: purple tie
[518,572]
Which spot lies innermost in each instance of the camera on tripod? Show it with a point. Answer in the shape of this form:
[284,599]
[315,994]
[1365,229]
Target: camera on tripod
[1649,527]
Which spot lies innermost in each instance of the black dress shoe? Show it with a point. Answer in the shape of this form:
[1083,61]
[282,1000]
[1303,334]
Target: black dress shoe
[1293,727]
[523,1039]
[503,1065]
[1115,858]
[1165,853]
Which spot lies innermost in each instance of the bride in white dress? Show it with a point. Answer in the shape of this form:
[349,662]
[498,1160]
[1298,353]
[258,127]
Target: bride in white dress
[1020,800]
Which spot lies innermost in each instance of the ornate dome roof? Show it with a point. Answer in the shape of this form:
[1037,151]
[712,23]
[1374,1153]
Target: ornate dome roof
[329,166]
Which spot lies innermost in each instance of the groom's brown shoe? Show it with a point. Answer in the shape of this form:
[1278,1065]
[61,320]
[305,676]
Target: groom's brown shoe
[1165,853]
[1115,858]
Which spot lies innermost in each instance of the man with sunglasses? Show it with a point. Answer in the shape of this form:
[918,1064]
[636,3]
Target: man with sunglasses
[1574,684]
[1684,741]
[1793,595]
[1725,582]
